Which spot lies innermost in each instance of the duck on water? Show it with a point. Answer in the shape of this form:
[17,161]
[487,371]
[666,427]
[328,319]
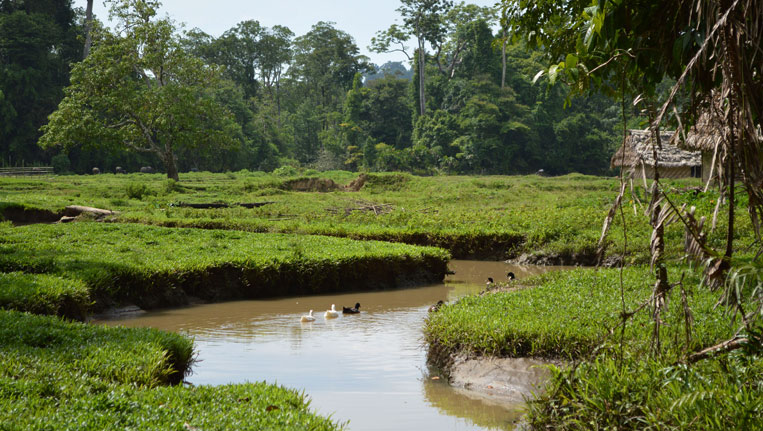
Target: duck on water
[353,310]
[331,314]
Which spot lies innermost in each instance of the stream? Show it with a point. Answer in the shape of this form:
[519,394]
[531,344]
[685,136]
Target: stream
[368,368]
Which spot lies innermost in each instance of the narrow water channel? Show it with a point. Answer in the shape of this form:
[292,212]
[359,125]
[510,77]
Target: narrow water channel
[368,369]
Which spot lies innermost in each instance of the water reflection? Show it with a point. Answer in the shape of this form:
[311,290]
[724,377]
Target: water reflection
[479,410]
[366,368]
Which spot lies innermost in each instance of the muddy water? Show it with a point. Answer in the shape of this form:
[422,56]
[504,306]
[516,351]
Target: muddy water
[368,369]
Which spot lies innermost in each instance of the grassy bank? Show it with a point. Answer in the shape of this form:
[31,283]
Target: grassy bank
[571,315]
[565,315]
[557,219]
[154,267]
[72,376]
[44,294]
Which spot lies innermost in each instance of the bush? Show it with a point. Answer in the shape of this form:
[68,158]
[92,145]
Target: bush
[136,190]
[61,163]
[286,171]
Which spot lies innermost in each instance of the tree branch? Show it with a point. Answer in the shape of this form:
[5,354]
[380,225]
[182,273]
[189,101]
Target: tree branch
[726,346]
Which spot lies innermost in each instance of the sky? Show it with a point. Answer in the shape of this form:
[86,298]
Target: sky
[360,18]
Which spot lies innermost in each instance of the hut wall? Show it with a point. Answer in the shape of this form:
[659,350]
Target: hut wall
[675,172]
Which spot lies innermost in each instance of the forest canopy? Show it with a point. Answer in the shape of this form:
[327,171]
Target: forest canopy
[462,101]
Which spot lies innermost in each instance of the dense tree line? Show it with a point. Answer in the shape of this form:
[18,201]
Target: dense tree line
[465,103]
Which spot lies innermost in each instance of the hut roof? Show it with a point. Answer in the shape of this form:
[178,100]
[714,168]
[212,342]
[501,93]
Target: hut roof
[708,130]
[638,147]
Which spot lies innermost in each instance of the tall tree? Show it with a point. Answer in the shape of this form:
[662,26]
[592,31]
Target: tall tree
[38,41]
[88,28]
[467,40]
[423,20]
[326,60]
[238,49]
[275,54]
[139,89]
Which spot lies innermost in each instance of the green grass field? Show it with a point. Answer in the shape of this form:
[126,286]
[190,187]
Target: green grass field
[567,314]
[272,250]
[154,266]
[494,217]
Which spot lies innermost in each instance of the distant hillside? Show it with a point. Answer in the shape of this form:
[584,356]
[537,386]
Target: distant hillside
[394,68]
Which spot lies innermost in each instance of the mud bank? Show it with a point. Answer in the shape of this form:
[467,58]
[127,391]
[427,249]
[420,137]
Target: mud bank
[21,215]
[510,380]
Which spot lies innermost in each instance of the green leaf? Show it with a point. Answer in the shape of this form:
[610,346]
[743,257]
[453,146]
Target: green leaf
[538,76]
[571,60]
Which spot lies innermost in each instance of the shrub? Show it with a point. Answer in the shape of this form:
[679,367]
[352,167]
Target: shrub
[61,163]
[286,171]
[136,190]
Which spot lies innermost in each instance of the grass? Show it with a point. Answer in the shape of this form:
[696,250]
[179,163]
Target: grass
[73,376]
[563,315]
[47,350]
[720,394]
[155,266]
[479,217]
[567,315]
[44,294]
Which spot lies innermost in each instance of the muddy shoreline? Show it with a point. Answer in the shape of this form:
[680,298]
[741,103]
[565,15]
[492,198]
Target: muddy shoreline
[506,380]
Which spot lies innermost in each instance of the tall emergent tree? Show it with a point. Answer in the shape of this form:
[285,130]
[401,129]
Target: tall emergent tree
[138,88]
[423,20]
[88,28]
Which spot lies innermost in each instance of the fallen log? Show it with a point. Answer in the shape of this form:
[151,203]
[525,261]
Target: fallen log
[75,210]
[254,204]
[219,205]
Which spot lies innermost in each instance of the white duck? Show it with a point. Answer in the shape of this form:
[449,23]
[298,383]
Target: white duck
[308,317]
[331,314]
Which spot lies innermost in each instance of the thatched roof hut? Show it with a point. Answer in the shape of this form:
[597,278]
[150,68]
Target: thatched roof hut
[705,134]
[710,134]
[672,162]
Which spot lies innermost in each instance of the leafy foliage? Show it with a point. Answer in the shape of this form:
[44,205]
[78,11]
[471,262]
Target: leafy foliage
[38,43]
[264,97]
[140,89]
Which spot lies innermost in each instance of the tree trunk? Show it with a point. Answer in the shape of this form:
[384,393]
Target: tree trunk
[278,105]
[172,171]
[503,61]
[88,29]
[422,64]
[169,163]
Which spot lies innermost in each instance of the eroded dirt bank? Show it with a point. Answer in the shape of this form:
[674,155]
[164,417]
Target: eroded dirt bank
[508,380]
